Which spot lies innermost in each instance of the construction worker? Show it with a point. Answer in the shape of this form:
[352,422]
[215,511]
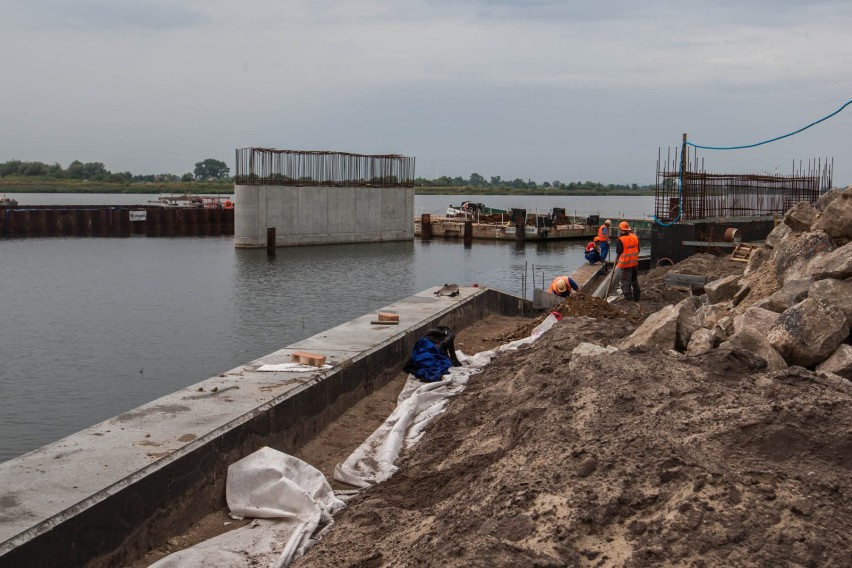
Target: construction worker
[563,286]
[603,238]
[627,249]
[593,251]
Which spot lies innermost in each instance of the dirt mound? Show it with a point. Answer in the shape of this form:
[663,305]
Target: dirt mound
[582,305]
[701,264]
[631,459]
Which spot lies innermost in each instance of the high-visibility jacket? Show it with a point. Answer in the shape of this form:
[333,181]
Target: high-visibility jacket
[591,246]
[603,233]
[569,286]
[629,256]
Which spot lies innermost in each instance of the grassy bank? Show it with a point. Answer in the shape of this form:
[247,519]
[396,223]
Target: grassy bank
[47,185]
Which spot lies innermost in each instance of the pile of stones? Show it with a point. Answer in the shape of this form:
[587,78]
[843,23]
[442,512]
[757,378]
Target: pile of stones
[791,306]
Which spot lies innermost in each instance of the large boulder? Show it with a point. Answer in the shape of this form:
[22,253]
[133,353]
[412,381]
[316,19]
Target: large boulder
[725,326]
[755,342]
[708,315]
[837,293]
[801,216]
[756,259]
[778,234]
[836,219]
[686,321]
[836,264]
[789,295]
[839,363]
[807,333]
[794,254]
[723,288]
[702,341]
[826,199]
[658,330]
[758,319]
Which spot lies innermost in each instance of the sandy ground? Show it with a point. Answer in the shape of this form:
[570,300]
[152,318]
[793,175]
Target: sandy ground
[638,458]
[342,437]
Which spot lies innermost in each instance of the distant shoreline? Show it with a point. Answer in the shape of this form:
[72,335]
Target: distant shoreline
[228,188]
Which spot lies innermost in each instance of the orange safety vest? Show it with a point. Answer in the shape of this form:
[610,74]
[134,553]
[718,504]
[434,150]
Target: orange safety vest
[603,233]
[630,254]
[554,290]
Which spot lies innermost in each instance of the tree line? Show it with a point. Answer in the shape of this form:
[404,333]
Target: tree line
[212,169]
[208,169]
[478,180]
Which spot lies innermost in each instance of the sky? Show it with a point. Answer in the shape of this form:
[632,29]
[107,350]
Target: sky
[541,89]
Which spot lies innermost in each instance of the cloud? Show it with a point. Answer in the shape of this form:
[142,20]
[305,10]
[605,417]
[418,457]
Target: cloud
[113,15]
[539,89]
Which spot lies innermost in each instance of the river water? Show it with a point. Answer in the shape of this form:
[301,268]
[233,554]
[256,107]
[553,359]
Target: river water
[94,327]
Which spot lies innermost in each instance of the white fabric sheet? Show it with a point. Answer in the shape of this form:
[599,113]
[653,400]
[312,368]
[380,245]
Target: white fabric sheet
[295,498]
[419,403]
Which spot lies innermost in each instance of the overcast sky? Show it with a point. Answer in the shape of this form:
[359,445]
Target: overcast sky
[538,89]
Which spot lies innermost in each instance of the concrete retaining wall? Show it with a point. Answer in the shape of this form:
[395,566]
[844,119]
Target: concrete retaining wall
[106,495]
[322,215]
[667,242]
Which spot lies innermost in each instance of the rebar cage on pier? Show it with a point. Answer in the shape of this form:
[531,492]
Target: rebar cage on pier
[268,166]
[707,196]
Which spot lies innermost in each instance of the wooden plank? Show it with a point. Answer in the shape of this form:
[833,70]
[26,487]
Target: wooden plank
[718,244]
[306,358]
[676,280]
[742,252]
[388,317]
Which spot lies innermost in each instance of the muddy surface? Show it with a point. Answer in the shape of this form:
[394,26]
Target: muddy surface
[637,458]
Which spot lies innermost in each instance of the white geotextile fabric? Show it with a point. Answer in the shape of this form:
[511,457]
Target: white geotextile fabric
[295,498]
[418,404]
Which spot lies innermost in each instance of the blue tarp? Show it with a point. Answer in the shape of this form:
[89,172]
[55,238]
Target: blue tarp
[428,361]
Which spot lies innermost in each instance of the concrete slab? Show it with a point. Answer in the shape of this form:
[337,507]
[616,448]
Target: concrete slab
[585,276]
[117,486]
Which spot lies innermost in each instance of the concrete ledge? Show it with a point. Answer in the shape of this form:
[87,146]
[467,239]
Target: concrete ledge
[107,494]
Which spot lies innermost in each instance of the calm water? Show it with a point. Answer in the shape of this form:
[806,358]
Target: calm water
[94,327]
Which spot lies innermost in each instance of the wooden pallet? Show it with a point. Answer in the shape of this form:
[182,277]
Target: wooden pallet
[743,251]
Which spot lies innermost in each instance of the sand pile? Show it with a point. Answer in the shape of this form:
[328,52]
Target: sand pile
[635,458]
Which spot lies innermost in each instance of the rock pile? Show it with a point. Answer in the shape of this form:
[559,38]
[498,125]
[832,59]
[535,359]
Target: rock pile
[791,306]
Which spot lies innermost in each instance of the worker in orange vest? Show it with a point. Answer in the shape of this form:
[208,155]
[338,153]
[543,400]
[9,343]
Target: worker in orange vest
[627,249]
[593,252]
[563,286]
[603,239]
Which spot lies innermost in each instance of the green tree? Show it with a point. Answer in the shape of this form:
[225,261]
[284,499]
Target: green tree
[186,177]
[476,179]
[211,169]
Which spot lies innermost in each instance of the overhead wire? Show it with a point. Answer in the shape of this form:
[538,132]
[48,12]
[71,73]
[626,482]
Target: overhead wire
[741,147]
